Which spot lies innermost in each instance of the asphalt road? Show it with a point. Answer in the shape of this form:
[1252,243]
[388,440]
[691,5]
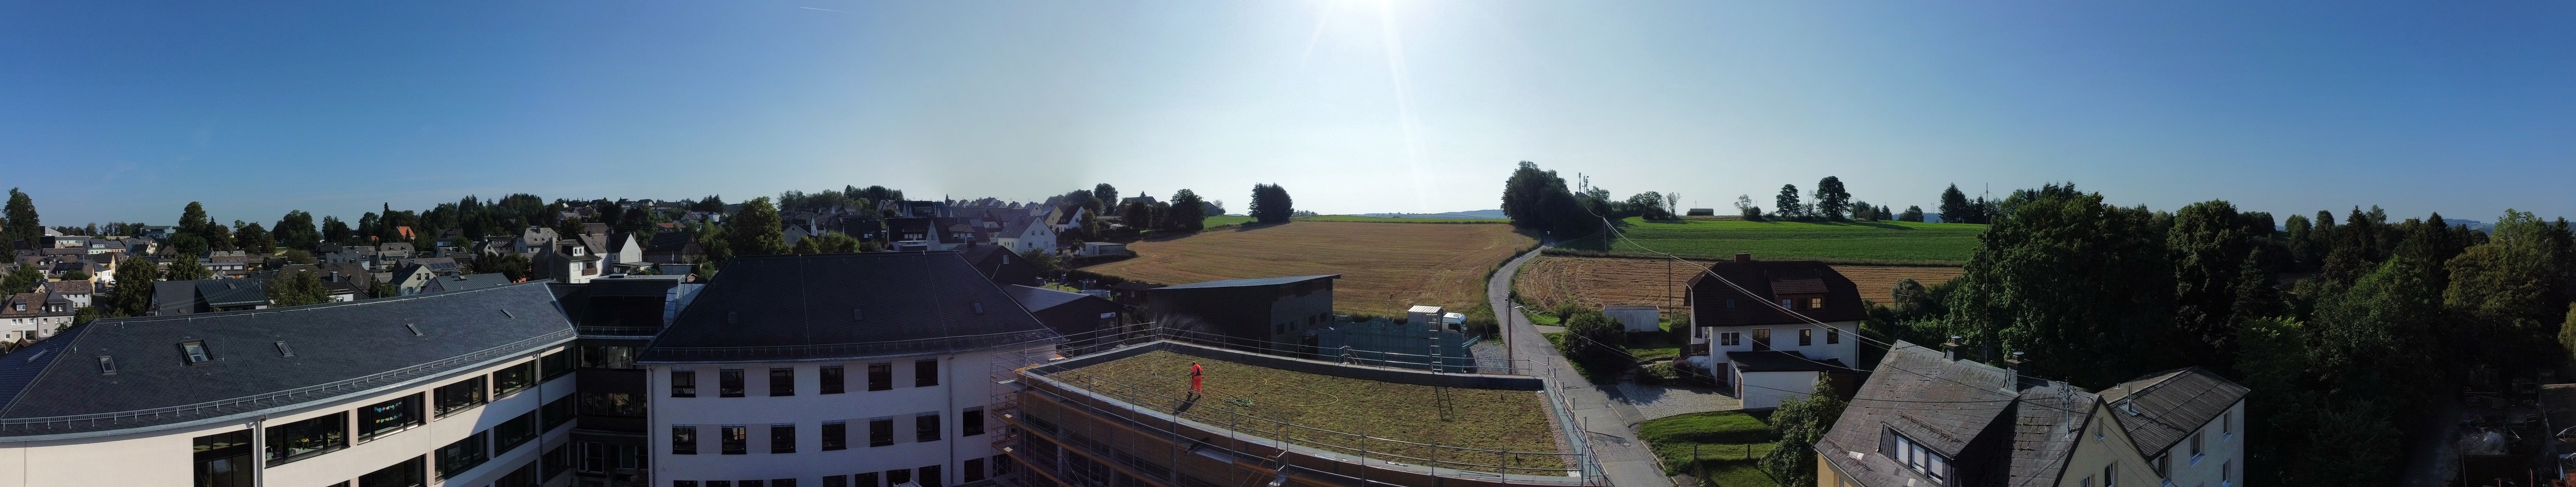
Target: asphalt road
[1611,425]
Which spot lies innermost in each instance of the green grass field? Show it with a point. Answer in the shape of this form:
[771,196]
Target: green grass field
[1372,219]
[1221,220]
[1881,242]
[1729,445]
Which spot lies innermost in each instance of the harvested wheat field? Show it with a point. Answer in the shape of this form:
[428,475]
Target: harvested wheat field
[1598,281]
[1385,267]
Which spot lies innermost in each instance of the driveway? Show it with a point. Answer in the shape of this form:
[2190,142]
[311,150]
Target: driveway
[1610,423]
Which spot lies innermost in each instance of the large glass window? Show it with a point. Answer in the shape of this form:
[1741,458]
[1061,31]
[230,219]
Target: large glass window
[525,476]
[925,373]
[611,404]
[830,376]
[782,381]
[605,357]
[736,440]
[728,382]
[463,455]
[925,427]
[513,379]
[557,413]
[223,460]
[970,422]
[409,473]
[684,440]
[510,434]
[1919,458]
[460,395]
[836,435]
[684,383]
[298,440]
[556,364]
[864,480]
[880,432]
[972,468]
[930,476]
[880,376]
[782,438]
[387,417]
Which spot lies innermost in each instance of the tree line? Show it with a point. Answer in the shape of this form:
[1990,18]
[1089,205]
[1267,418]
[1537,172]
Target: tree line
[1538,199]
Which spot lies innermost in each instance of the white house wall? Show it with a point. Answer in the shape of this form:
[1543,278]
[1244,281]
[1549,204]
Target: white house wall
[1785,338]
[965,382]
[1766,390]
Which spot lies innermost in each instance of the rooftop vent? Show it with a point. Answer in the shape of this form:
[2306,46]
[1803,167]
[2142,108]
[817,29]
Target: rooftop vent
[506,314]
[979,307]
[283,350]
[32,358]
[195,352]
[106,365]
[415,329]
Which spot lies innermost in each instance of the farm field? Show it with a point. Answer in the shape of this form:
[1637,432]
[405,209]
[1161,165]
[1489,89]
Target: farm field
[1593,282]
[1372,219]
[1384,268]
[1882,242]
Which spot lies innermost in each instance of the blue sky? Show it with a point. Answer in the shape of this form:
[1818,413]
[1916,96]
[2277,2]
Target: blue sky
[128,110]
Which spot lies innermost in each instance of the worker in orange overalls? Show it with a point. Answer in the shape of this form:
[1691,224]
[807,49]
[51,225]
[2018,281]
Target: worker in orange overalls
[1195,371]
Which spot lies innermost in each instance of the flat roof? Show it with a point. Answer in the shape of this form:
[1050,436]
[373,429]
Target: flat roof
[1264,401]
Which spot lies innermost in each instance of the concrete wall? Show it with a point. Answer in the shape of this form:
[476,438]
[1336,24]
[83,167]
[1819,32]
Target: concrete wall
[165,457]
[1766,390]
[965,382]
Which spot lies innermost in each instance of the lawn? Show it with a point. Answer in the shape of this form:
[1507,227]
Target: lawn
[1373,219]
[1882,242]
[1265,401]
[1593,282]
[1729,445]
[1223,220]
[1384,268]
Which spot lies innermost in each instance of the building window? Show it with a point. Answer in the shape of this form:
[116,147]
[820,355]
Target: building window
[298,440]
[881,376]
[782,438]
[898,476]
[459,396]
[1918,458]
[2111,475]
[557,413]
[463,455]
[736,440]
[684,483]
[684,440]
[2227,425]
[2195,446]
[973,469]
[782,381]
[1815,303]
[608,357]
[836,435]
[880,432]
[684,383]
[514,378]
[223,460]
[864,480]
[925,427]
[925,373]
[1730,339]
[836,481]
[2162,465]
[611,404]
[1806,336]
[728,382]
[194,352]
[517,431]
[387,417]
[1002,464]
[930,476]
[409,473]
[1833,335]
[830,377]
[970,422]
[556,364]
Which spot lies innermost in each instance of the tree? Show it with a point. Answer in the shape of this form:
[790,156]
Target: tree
[186,268]
[2207,247]
[2044,281]
[1522,192]
[24,278]
[334,230]
[1595,340]
[1955,207]
[1137,215]
[829,243]
[1649,205]
[1189,213]
[298,256]
[1911,214]
[296,231]
[515,267]
[132,295]
[1108,195]
[1800,424]
[1788,207]
[2511,288]
[756,229]
[1744,207]
[252,238]
[1271,204]
[22,225]
[1831,200]
[297,289]
[75,275]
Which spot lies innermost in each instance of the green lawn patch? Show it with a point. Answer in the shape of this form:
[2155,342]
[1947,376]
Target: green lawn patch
[1222,220]
[1880,242]
[1728,444]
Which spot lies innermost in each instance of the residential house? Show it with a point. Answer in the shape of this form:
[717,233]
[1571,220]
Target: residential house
[569,261]
[413,279]
[232,264]
[622,253]
[33,315]
[1070,314]
[78,293]
[534,240]
[1027,235]
[364,255]
[170,298]
[999,264]
[390,254]
[1926,419]
[1764,327]
[673,247]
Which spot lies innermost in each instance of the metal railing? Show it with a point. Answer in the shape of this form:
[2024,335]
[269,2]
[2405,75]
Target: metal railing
[42,424]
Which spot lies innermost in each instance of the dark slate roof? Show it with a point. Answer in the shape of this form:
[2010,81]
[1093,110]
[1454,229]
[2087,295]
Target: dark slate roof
[2045,424]
[230,292]
[1037,299]
[669,241]
[1920,393]
[797,307]
[1780,361]
[362,345]
[1264,281]
[2163,408]
[469,281]
[1767,280]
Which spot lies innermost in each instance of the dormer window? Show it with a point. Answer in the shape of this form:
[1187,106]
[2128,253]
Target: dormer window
[1914,456]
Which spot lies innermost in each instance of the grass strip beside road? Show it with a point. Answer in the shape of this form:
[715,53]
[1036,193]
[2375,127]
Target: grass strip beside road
[1729,445]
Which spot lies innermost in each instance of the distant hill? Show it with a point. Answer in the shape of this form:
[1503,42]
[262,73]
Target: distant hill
[1461,215]
[2473,224]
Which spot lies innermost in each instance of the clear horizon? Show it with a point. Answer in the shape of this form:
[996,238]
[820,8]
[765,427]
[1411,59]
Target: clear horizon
[128,111]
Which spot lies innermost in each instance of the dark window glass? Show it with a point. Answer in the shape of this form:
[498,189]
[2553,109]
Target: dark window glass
[836,435]
[409,473]
[684,383]
[510,434]
[864,480]
[782,438]
[830,376]
[460,395]
[1002,464]
[684,483]
[1806,336]
[782,482]
[223,460]
[558,459]
[736,440]
[729,382]
[556,364]
[836,481]
[880,376]
[463,455]
[514,378]
[557,413]
[925,428]
[749,483]
[684,440]
[880,432]
[611,404]
[608,357]
[925,373]
[930,476]
[970,422]
[972,468]
[1833,336]
[719,483]
[898,476]
[389,416]
[525,476]
[782,381]
[298,440]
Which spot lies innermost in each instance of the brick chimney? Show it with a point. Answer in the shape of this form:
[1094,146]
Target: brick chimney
[1743,257]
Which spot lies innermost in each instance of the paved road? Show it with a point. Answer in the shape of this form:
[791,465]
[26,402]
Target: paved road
[1611,423]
